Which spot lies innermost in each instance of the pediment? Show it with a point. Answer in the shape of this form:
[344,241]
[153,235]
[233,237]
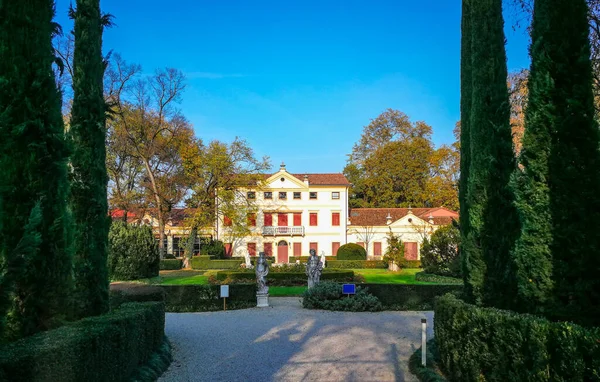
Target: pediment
[409,219]
[284,179]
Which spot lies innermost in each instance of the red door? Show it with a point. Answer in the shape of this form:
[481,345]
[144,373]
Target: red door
[282,252]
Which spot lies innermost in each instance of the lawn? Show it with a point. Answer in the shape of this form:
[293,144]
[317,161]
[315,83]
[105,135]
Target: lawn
[383,276]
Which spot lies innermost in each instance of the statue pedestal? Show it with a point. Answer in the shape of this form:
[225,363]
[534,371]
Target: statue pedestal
[262,300]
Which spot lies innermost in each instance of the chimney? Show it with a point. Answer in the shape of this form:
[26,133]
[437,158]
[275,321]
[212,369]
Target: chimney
[409,210]
[306,179]
[282,166]
[430,219]
[388,219]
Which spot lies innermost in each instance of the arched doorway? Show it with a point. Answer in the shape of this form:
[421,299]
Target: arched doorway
[282,252]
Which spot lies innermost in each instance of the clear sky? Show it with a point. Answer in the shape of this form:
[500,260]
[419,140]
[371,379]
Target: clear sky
[299,79]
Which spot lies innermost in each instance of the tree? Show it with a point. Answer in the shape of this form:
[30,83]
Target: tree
[439,253]
[88,161]
[441,189]
[35,238]
[394,254]
[490,202]
[517,88]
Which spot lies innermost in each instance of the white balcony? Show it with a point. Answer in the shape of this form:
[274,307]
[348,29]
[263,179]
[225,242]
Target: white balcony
[282,231]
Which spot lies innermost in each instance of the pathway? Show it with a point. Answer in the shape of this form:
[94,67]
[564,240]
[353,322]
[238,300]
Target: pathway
[288,343]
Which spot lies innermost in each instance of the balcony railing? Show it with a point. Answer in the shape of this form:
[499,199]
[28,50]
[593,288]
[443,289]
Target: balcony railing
[282,231]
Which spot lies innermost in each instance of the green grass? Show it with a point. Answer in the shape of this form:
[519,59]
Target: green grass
[383,276]
[286,291]
[190,280]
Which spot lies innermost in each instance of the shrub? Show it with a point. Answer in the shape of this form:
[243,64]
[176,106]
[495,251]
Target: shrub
[203,298]
[282,278]
[411,263]
[205,262]
[494,345]
[212,248]
[440,255]
[328,296]
[121,293]
[431,371]
[410,297]
[351,251]
[304,259]
[110,347]
[428,277]
[170,264]
[286,268]
[394,254]
[133,252]
[355,264]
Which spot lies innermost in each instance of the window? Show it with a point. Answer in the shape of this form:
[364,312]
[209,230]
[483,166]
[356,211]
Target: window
[176,250]
[297,249]
[297,219]
[268,220]
[335,219]
[283,195]
[227,221]
[251,195]
[334,248]
[228,248]
[252,249]
[313,195]
[411,251]
[315,246]
[297,195]
[313,219]
[268,247]
[252,220]
[335,195]
[377,248]
[282,220]
[268,195]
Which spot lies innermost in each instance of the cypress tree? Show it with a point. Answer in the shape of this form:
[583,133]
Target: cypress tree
[532,254]
[36,261]
[574,160]
[89,176]
[493,222]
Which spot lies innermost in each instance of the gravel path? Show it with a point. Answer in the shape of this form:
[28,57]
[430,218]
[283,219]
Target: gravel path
[288,343]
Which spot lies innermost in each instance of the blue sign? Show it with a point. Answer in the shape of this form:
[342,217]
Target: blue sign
[349,289]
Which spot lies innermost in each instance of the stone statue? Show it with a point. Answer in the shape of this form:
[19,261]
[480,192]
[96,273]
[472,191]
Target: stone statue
[262,270]
[323,259]
[314,268]
[248,262]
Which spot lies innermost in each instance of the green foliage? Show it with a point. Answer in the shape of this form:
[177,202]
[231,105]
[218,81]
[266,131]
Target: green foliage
[304,259]
[282,278]
[410,297]
[488,344]
[205,262]
[394,252]
[433,278]
[109,347]
[187,243]
[133,253]
[35,224]
[159,363]
[122,293]
[213,248]
[351,251]
[431,371]
[170,264]
[204,298]
[355,264]
[439,254]
[328,296]
[89,178]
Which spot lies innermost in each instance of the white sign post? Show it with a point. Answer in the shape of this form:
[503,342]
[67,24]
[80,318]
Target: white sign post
[423,341]
[224,295]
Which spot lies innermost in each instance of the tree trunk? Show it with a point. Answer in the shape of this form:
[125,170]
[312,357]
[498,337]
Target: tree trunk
[161,224]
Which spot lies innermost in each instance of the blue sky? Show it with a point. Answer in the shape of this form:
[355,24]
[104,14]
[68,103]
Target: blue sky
[299,79]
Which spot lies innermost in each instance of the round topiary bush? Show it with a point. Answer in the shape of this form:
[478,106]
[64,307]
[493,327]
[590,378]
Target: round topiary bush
[132,252]
[351,251]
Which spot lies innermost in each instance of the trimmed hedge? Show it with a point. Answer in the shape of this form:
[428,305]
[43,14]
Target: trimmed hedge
[478,344]
[355,264]
[285,278]
[204,298]
[429,277]
[205,262]
[430,372]
[410,297]
[411,264]
[304,259]
[132,252]
[121,293]
[170,264]
[351,251]
[327,295]
[111,347]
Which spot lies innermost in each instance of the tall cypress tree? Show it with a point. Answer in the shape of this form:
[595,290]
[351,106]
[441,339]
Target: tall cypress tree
[89,176]
[574,160]
[532,254]
[36,261]
[493,222]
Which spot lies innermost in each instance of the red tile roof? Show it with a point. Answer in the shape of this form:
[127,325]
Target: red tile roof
[378,216]
[176,216]
[327,179]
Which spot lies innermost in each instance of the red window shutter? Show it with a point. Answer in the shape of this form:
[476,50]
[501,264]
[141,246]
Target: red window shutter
[297,249]
[252,249]
[268,249]
[410,251]
[227,221]
[335,219]
[315,246]
[362,244]
[334,248]
[228,249]
[377,248]
[313,219]
[252,220]
[282,220]
[268,219]
[297,219]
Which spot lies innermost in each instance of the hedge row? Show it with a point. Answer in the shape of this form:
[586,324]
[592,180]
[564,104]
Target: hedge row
[286,278]
[204,298]
[111,347]
[355,264]
[488,344]
[205,262]
[304,259]
[170,264]
[430,277]
[410,297]
[411,264]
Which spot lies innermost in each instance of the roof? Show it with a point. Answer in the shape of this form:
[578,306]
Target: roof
[378,216]
[324,179]
[175,217]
